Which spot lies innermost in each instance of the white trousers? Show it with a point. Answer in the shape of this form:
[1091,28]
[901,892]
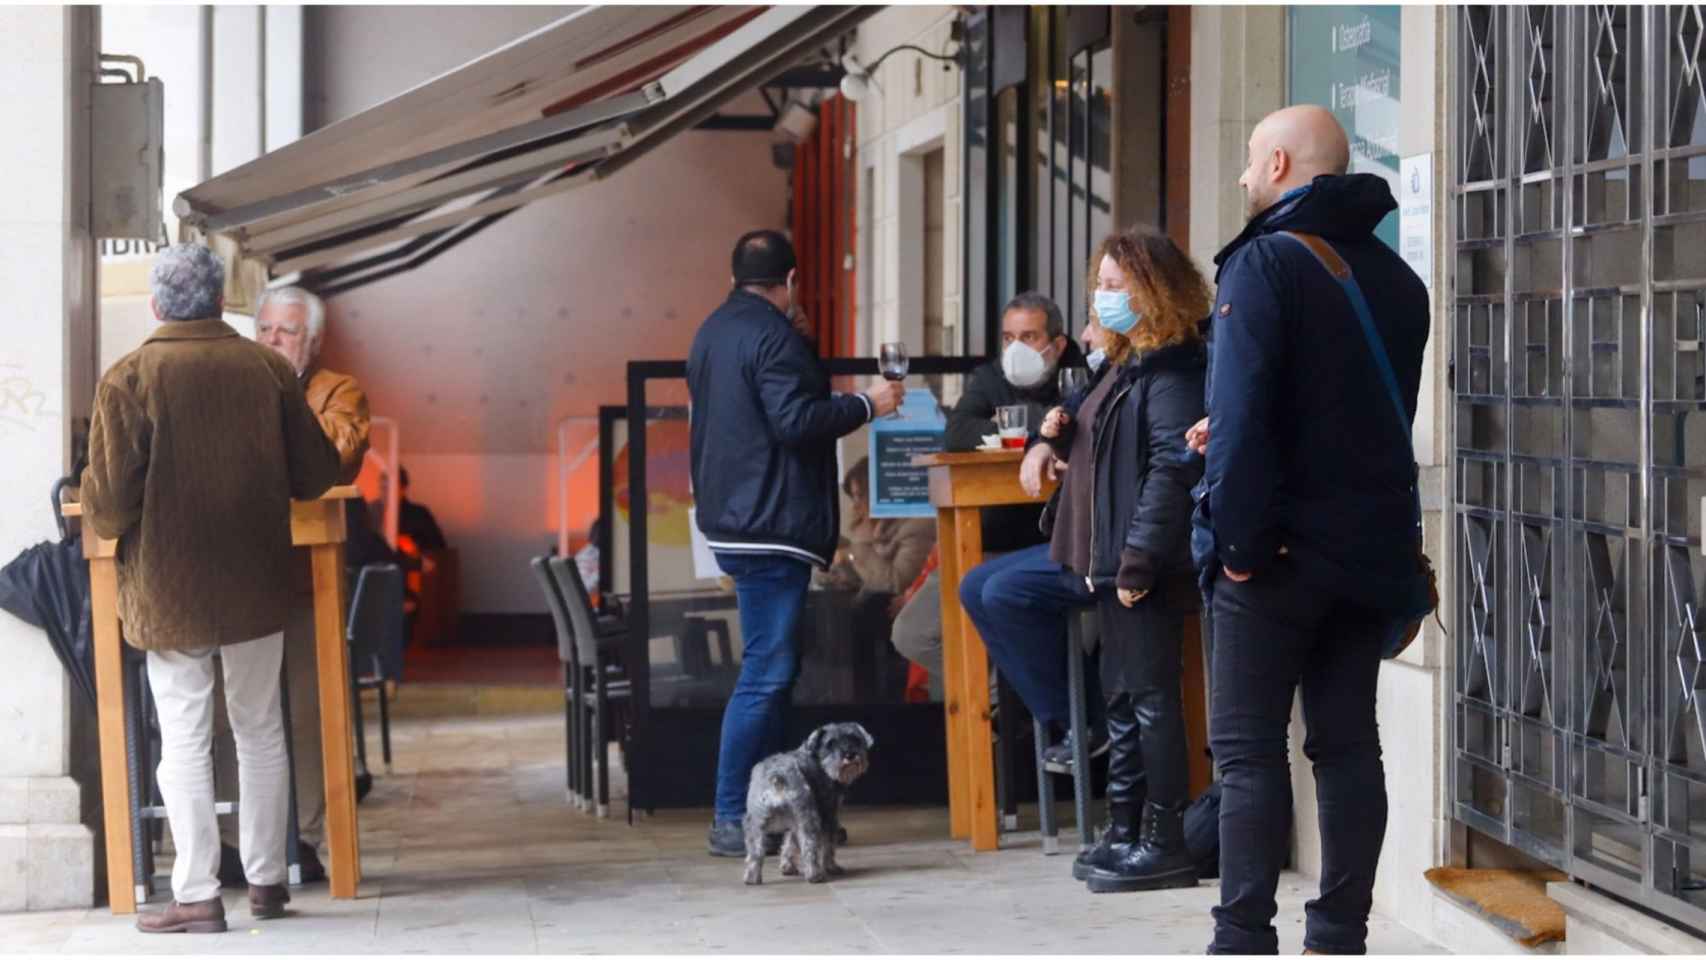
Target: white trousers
[183,694]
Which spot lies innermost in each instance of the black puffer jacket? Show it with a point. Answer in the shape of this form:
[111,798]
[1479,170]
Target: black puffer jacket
[1144,474]
[764,430]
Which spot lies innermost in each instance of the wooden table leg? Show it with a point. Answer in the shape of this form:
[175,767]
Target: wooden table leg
[110,707]
[1194,692]
[977,736]
[953,699]
[342,839]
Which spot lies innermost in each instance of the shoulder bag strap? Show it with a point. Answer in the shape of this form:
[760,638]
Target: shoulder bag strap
[1340,271]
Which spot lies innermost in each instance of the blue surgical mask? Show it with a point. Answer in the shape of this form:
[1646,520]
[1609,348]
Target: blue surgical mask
[1095,359]
[1113,311]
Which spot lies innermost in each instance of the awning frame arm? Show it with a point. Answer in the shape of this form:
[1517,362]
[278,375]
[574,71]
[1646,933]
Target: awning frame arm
[588,115]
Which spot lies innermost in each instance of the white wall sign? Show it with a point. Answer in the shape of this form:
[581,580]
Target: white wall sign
[1416,215]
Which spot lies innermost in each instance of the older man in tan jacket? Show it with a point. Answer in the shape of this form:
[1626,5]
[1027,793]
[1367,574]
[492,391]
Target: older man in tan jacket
[200,439]
[292,322]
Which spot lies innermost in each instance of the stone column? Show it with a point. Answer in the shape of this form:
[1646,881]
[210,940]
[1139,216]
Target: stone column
[1237,78]
[47,855]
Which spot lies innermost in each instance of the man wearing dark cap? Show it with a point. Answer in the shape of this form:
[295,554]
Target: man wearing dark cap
[764,485]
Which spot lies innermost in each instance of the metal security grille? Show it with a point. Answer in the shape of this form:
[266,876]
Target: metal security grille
[1579,193]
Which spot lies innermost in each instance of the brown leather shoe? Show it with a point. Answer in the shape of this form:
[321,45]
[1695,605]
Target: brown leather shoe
[207,916]
[266,902]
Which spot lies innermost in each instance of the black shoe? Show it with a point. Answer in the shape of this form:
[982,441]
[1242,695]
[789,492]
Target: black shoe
[1157,861]
[231,868]
[1058,758]
[308,859]
[363,786]
[727,839]
[1122,829]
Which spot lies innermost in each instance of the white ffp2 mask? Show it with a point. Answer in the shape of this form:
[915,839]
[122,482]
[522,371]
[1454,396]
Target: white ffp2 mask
[1023,366]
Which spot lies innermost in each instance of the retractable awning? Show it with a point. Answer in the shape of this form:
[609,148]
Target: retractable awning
[569,104]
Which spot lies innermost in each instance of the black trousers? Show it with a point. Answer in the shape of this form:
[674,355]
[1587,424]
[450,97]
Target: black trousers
[1142,656]
[1274,634]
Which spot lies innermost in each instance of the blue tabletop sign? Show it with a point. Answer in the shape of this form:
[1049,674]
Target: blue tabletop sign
[899,489]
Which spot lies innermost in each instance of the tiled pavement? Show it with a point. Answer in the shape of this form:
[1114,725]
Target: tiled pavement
[469,847]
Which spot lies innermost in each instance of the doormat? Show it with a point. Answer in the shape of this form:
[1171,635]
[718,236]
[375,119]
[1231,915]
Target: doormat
[1514,901]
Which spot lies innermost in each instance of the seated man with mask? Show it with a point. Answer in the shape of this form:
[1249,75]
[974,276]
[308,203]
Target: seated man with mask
[1018,596]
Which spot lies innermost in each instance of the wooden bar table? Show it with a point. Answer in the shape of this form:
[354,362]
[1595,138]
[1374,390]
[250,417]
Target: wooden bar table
[318,527]
[961,485]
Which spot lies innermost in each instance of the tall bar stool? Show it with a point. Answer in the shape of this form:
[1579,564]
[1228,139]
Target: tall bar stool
[1081,639]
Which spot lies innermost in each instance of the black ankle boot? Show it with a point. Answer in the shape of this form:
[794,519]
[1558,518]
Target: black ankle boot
[1157,861]
[1123,829]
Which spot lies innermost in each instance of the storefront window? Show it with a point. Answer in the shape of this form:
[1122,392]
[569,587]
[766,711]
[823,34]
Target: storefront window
[1072,301]
[977,172]
[1060,168]
[1049,161]
[1101,179]
[1042,118]
[1347,59]
[1008,194]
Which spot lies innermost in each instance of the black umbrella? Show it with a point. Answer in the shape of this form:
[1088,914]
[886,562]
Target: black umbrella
[48,586]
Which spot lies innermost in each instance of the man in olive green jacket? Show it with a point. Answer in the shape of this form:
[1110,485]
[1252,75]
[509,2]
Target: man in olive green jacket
[200,439]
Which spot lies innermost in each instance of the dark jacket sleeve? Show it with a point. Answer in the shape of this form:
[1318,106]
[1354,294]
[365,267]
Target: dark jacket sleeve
[782,369]
[1163,516]
[1243,461]
[120,436]
[311,455]
[974,416]
[1063,443]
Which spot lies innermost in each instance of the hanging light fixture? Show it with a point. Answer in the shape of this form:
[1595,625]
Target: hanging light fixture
[856,84]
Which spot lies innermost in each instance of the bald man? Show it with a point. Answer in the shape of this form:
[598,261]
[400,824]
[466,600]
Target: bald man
[1311,520]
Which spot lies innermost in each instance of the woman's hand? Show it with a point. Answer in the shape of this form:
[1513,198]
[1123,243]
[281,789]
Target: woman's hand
[1136,577]
[1037,459]
[1130,598]
[1053,422]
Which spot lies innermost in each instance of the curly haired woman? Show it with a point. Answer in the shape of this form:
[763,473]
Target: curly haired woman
[1122,526]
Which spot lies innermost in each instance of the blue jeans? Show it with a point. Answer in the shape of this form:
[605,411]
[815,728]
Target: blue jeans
[771,591]
[1019,603]
[1275,634]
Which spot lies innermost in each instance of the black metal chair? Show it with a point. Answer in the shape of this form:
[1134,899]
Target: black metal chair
[574,721]
[600,685]
[375,626]
[1081,639]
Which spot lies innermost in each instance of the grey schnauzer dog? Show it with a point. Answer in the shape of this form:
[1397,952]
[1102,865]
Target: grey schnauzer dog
[799,793]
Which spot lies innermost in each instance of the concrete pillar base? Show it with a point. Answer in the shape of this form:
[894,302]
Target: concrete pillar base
[46,854]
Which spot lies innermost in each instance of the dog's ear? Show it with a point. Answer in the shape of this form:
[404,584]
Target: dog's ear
[815,741]
[864,734]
